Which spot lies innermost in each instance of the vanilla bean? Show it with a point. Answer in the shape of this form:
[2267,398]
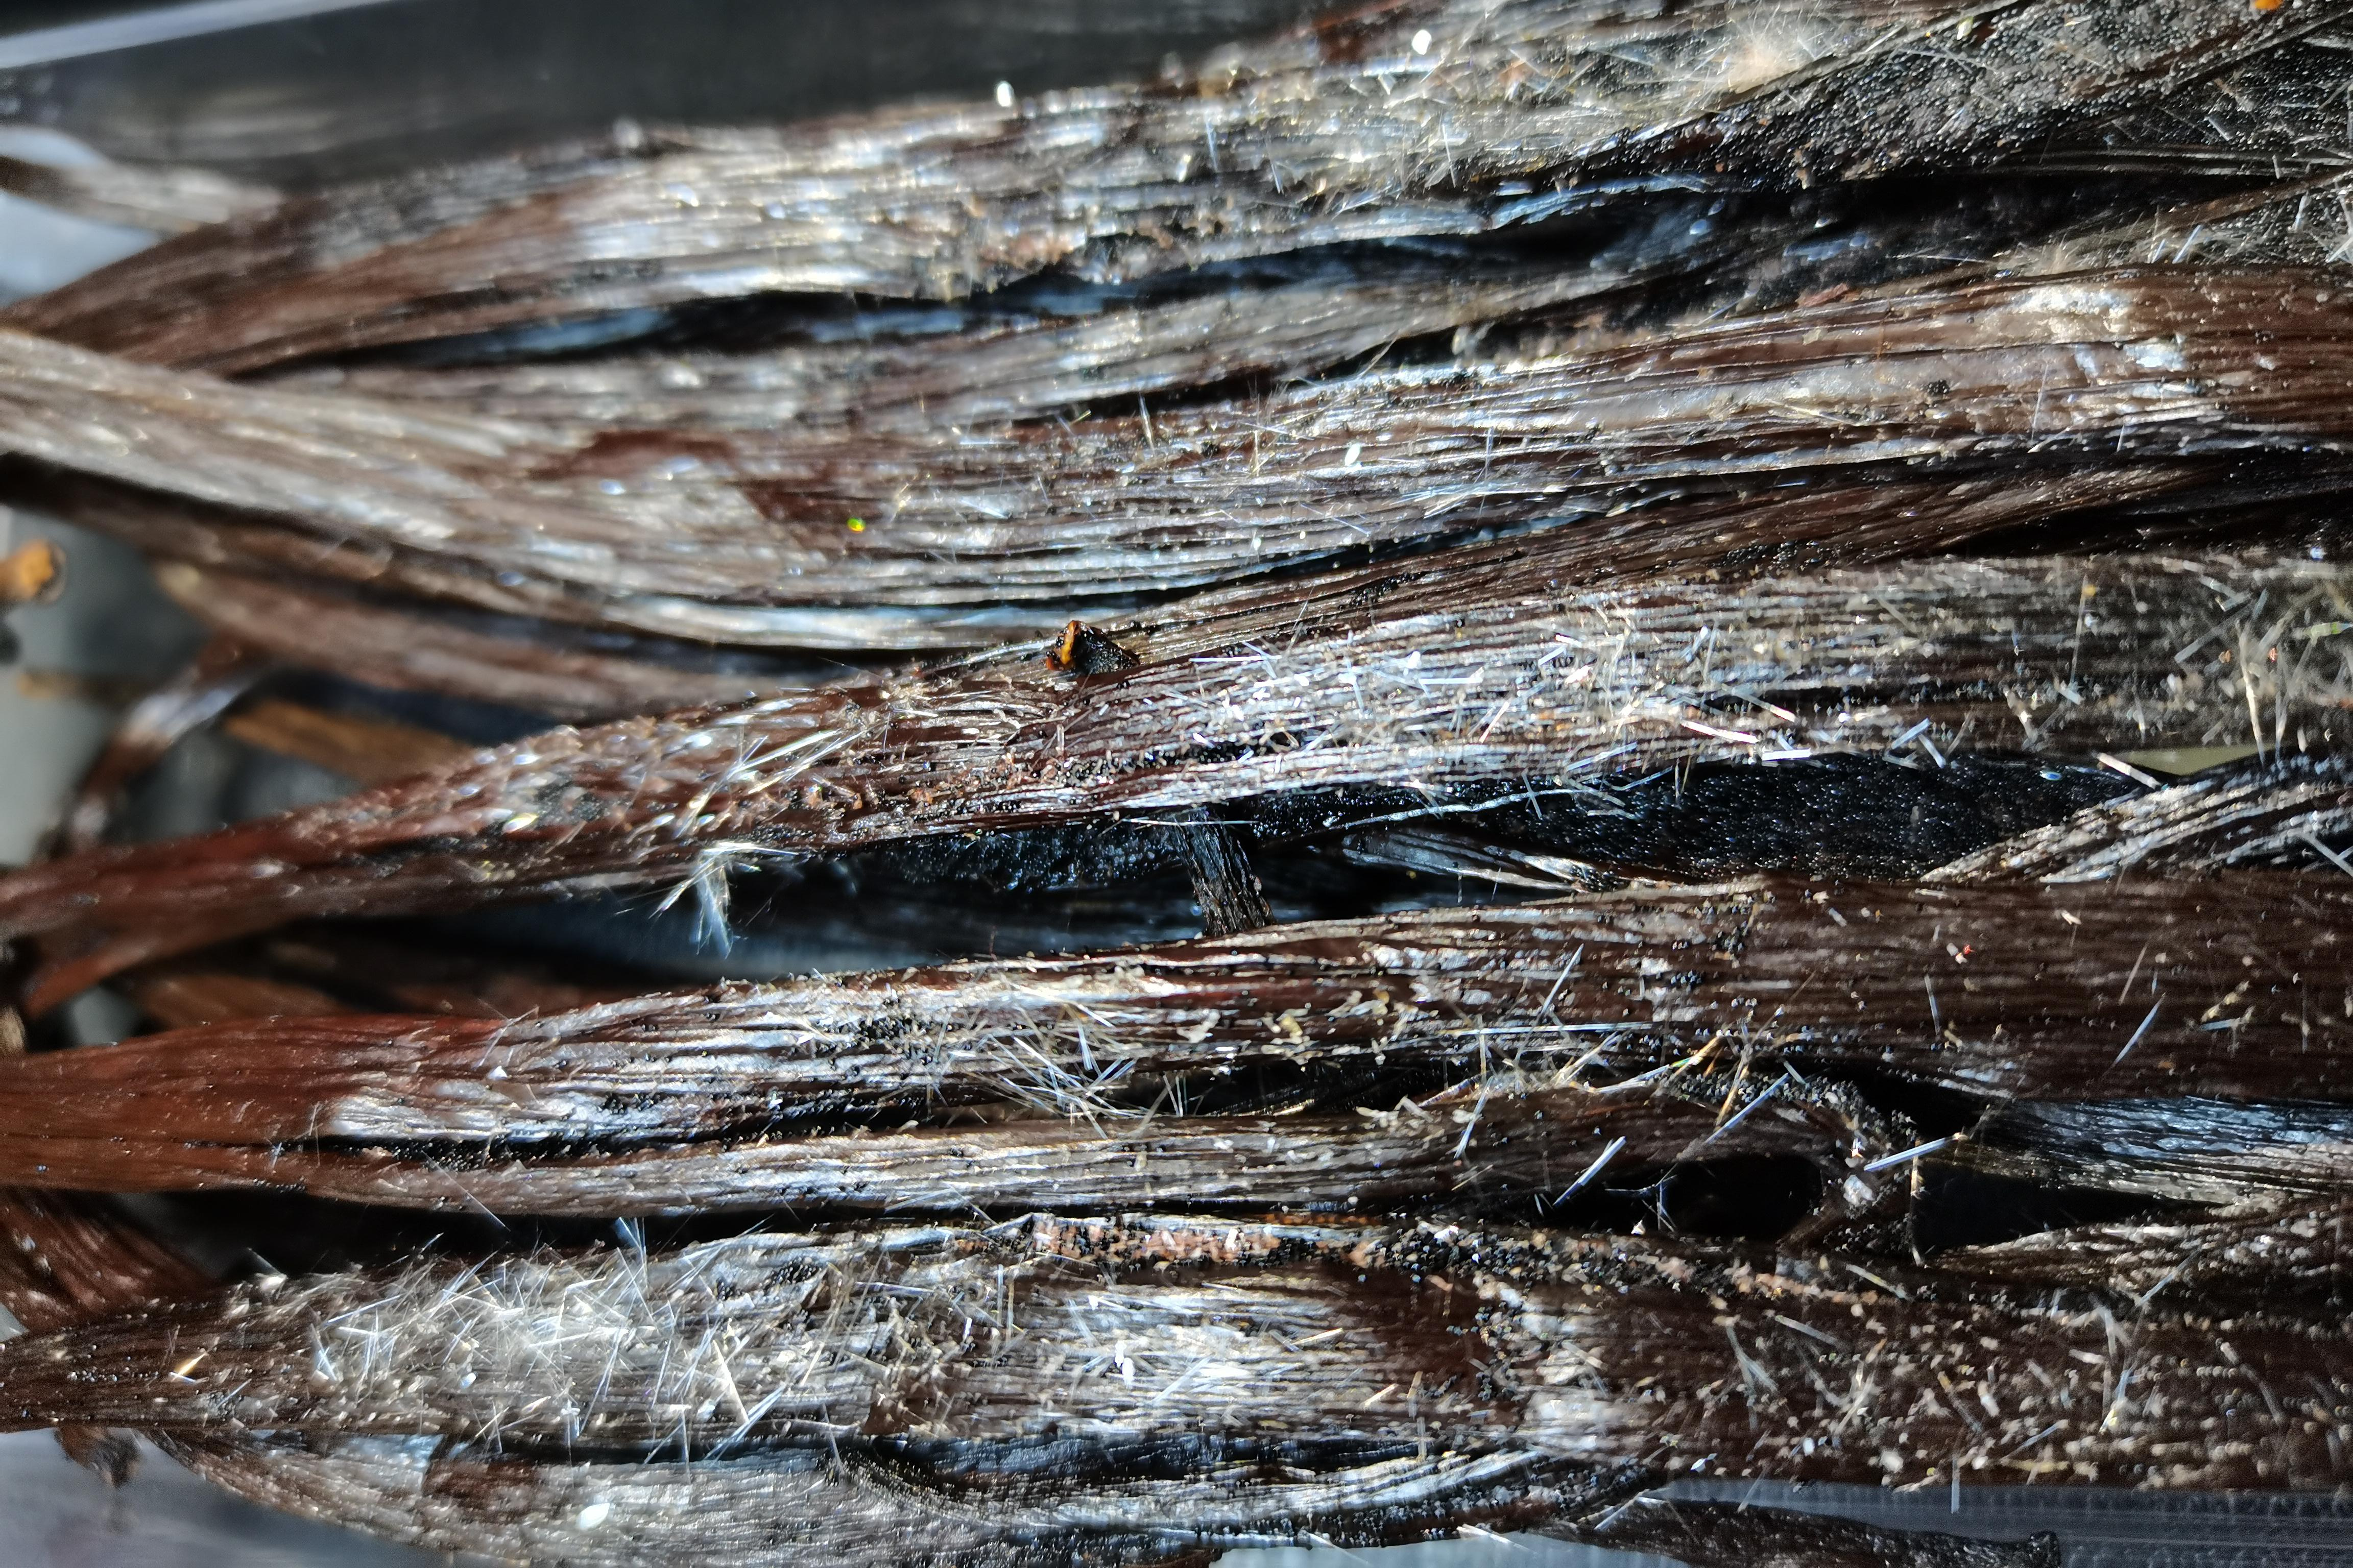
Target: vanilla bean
[789,1510]
[1007,365]
[803,1509]
[887,1341]
[1468,1145]
[2191,1149]
[756,1095]
[407,647]
[222,671]
[1511,115]
[2091,370]
[1440,673]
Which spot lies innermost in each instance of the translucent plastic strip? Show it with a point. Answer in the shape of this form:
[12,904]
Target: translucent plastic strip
[46,46]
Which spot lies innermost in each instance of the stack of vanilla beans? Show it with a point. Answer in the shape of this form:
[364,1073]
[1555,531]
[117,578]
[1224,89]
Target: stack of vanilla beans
[1618,738]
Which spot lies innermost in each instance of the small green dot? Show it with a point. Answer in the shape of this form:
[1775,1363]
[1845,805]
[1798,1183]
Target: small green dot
[857,525]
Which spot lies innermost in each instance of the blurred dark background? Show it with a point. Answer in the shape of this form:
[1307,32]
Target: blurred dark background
[317,88]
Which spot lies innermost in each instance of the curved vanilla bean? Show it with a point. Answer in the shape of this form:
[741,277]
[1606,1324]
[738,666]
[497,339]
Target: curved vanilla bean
[1342,131]
[222,671]
[793,1509]
[1443,673]
[2084,371]
[1612,1351]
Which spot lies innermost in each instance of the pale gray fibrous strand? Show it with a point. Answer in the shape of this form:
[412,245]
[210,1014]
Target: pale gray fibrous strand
[1342,131]
[169,200]
[1281,686]
[654,527]
[1227,891]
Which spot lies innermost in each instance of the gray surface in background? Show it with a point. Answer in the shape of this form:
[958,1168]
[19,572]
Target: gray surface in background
[56,1514]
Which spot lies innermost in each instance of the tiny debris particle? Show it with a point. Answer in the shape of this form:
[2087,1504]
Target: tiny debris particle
[1084,650]
[857,525]
[33,572]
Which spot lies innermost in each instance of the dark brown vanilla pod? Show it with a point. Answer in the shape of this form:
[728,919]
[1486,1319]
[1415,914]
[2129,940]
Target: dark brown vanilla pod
[1344,131]
[407,647]
[1614,1353]
[66,1258]
[2194,1149]
[309,233]
[222,671]
[1495,1142]
[799,1508]
[1750,527]
[2080,371]
[2295,811]
[667,630]
[1665,1017]
[794,1509]
[1446,671]
[1014,363]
